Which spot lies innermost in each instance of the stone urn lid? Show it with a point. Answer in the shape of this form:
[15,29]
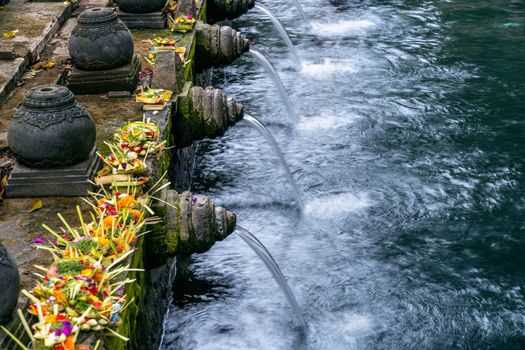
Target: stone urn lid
[48,97]
[97,16]
[51,129]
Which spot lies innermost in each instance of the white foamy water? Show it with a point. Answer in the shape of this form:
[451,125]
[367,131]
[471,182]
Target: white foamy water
[342,27]
[327,68]
[335,206]
[323,122]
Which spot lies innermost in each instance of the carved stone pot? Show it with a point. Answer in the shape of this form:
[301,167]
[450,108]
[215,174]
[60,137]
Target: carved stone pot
[141,6]
[51,129]
[9,285]
[100,41]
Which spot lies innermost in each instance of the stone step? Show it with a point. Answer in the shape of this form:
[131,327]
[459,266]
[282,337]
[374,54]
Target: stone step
[37,23]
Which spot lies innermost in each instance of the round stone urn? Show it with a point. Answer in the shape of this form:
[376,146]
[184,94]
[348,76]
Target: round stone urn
[100,41]
[9,285]
[51,129]
[141,6]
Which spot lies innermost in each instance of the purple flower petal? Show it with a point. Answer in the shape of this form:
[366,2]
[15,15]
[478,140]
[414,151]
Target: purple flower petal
[39,240]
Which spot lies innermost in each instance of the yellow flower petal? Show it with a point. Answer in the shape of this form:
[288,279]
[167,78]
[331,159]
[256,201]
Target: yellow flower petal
[10,34]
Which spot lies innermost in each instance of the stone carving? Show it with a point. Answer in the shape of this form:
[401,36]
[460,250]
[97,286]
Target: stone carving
[9,285]
[204,113]
[141,6]
[54,117]
[51,129]
[102,31]
[100,41]
[219,10]
[218,45]
[194,223]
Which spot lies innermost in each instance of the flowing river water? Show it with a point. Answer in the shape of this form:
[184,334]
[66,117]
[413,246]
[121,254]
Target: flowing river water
[409,149]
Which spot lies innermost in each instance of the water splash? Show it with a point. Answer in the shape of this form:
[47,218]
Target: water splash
[276,272]
[327,68]
[282,32]
[342,27]
[268,68]
[275,146]
[334,206]
[325,121]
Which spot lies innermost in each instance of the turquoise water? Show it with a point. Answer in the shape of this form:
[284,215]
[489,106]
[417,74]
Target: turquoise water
[409,151]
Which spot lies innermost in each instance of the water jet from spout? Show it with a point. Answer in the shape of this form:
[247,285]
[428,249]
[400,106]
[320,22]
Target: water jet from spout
[282,32]
[301,12]
[276,272]
[270,70]
[275,146]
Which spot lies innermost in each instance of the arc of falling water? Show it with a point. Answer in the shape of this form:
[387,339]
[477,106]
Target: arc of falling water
[276,272]
[300,9]
[282,32]
[275,146]
[268,68]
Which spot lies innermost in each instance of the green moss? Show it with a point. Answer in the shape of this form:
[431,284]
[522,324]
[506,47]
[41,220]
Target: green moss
[135,293]
[174,226]
[202,12]
[189,68]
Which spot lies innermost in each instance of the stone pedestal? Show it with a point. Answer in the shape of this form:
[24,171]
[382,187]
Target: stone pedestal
[68,181]
[154,20]
[123,78]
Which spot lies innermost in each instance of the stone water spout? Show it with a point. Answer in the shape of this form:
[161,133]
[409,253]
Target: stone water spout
[191,224]
[9,285]
[200,222]
[218,45]
[219,10]
[203,113]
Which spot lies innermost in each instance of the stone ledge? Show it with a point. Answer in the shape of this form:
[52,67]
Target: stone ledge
[37,24]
